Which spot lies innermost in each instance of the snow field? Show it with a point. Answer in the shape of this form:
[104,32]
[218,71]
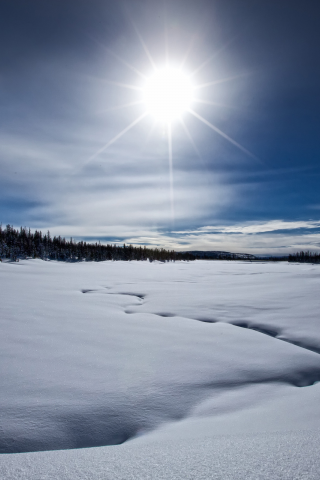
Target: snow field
[181,354]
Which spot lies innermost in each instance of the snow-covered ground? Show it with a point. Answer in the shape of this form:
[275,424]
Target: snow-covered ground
[201,370]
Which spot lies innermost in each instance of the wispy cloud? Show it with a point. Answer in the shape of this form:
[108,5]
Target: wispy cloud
[266,244]
[255,227]
[271,237]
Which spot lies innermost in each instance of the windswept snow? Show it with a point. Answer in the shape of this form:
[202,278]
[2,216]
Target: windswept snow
[170,360]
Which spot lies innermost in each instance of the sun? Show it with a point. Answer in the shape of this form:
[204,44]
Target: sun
[168,93]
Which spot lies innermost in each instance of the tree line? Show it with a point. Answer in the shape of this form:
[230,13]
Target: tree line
[304,257]
[15,244]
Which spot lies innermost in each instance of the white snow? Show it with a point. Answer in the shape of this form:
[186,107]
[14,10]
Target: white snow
[203,370]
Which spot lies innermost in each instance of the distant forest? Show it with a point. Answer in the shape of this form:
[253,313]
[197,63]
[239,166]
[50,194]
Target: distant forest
[305,257]
[15,244]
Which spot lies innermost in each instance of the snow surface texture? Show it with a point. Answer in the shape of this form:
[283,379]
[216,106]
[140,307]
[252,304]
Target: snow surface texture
[200,370]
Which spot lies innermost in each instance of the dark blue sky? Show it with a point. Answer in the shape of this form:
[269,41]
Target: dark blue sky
[60,66]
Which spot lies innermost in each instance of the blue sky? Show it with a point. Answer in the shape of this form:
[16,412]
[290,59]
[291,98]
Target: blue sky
[61,66]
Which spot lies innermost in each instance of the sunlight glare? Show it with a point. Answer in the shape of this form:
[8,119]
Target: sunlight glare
[168,94]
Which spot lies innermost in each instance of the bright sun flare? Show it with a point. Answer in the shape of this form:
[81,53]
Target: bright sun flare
[168,94]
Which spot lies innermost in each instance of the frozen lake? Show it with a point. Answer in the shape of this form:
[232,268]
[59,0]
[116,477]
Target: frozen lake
[193,370]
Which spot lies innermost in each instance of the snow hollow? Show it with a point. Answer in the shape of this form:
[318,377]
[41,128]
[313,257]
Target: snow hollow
[179,370]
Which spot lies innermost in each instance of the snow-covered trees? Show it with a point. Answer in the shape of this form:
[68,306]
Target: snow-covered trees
[22,243]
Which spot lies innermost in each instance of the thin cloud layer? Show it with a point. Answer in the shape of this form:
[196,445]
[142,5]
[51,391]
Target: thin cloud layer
[258,227]
[272,237]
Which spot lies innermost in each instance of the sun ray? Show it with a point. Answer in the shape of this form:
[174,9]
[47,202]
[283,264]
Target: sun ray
[127,64]
[213,56]
[118,57]
[190,138]
[144,47]
[114,139]
[119,107]
[188,51]
[195,147]
[124,85]
[199,100]
[224,135]
[171,171]
[166,43]
[221,80]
